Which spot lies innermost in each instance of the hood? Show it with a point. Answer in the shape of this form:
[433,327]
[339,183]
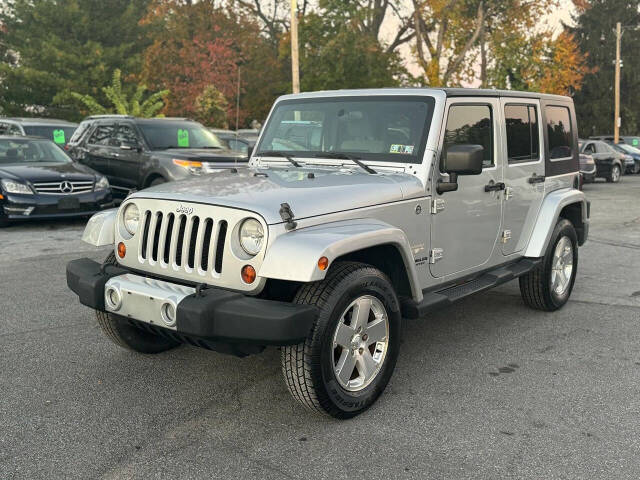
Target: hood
[203,155]
[264,190]
[47,172]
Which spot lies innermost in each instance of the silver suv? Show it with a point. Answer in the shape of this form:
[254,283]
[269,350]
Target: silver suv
[359,208]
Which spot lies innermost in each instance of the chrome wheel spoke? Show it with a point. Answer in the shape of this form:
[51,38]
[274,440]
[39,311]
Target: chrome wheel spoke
[376,331]
[366,365]
[562,266]
[345,366]
[361,312]
[344,334]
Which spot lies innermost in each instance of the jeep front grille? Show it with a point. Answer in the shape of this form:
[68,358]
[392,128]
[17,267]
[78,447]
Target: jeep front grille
[64,187]
[192,244]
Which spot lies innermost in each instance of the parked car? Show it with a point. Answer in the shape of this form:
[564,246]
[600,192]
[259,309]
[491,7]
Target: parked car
[60,131]
[234,141]
[632,156]
[632,140]
[135,153]
[38,180]
[324,250]
[587,168]
[84,127]
[609,163]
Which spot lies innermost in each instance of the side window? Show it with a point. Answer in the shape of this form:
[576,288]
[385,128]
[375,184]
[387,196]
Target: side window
[590,148]
[102,134]
[126,135]
[238,146]
[471,124]
[559,132]
[523,139]
[602,148]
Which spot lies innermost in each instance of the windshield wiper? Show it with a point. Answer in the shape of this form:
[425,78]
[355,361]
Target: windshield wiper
[211,146]
[344,156]
[275,153]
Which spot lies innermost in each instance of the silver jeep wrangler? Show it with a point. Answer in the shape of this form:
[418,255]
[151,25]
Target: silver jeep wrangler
[358,209]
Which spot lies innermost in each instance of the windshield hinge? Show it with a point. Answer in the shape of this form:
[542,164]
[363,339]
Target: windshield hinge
[437,205]
[287,216]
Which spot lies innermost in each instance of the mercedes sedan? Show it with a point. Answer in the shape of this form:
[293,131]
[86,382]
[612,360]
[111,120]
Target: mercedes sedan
[38,180]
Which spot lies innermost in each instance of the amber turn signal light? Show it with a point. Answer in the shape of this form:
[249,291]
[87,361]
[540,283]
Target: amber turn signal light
[122,250]
[248,274]
[323,263]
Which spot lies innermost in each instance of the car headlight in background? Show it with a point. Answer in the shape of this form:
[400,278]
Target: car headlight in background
[15,187]
[193,167]
[251,236]
[131,218]
[102,184]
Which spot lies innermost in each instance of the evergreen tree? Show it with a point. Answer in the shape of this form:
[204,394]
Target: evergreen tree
[595,33]
[53,47]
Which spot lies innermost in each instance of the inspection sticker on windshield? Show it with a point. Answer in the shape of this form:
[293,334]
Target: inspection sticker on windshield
[403,149]
[183,138]
[58,136]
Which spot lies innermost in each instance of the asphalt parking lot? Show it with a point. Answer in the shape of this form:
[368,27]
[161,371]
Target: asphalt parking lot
[486,389]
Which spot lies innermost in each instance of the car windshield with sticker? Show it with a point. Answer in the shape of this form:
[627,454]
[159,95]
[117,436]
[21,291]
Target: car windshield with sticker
[183,134]
[393,128]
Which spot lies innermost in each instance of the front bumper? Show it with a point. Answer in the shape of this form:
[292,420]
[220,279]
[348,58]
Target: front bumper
[214,315]
[37,206]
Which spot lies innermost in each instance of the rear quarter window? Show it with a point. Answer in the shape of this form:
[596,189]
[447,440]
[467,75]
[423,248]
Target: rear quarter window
[559,132]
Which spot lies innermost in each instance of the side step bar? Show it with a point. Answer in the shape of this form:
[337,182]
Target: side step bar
[435,300]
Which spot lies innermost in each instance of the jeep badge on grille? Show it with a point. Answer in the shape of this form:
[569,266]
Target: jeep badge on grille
[183,209]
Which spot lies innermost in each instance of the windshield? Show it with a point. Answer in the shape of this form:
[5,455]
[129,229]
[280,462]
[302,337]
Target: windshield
[23,150]
[162,135]
[628,148]
[59,134]
[392,129]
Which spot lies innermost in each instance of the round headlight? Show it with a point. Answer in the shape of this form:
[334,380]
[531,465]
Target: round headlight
[251,236]
[131,218]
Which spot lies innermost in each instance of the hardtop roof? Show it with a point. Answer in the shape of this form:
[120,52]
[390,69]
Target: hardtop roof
[39,121]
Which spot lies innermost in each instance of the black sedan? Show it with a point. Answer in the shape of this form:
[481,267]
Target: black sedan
[38,180]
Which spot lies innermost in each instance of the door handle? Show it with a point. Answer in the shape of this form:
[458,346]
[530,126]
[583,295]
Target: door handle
[494,187]
[536,178]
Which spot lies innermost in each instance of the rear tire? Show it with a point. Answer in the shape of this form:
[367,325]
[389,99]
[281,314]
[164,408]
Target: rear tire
[615,174]
[548,286]
[350,353]
[121,332]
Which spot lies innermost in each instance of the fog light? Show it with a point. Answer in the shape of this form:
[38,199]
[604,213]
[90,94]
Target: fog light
[168,313]
[122,250]
[113,298]
[248,274]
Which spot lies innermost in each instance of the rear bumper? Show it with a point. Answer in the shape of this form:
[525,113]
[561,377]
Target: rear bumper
[214,315]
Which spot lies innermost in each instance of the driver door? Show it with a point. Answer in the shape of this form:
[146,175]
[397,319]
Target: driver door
[126,159]
[465,230]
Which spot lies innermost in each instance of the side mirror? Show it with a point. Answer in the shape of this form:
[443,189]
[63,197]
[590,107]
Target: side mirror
[460,160]
[130,146]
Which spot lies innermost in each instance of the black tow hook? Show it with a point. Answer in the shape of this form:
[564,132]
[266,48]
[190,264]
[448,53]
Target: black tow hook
[199,289]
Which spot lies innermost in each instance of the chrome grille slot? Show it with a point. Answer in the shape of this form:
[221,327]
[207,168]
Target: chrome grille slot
[64,187]
[192,244]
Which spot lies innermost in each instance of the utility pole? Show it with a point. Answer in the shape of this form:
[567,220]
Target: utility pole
[616,125]
[295,69]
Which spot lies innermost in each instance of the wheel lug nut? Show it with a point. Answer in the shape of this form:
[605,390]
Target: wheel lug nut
[361,350]
[365,337]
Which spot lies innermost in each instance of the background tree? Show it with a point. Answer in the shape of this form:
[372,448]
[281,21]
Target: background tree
[121,104]
[594,32]
[211,108]
[54,47]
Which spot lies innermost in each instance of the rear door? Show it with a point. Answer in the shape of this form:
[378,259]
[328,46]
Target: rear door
[97,150]
[126,156]
[467,228]
[523,171]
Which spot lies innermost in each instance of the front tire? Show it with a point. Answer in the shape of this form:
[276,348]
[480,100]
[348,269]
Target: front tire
[350,353]
[121,332]
[548,286]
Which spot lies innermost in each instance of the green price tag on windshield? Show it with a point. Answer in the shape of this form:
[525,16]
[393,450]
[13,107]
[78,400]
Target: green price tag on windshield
[635,142]
[58,136]
[183,138]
